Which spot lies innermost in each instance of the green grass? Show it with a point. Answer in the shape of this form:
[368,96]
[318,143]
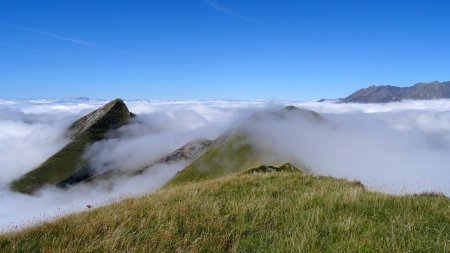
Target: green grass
[287,211]
[66,162]
[58,167]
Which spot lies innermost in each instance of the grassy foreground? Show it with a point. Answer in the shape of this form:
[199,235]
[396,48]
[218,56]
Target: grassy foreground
[285,211]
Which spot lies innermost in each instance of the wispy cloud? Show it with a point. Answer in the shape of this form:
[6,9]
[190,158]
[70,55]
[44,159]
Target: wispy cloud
[53,35]
[36,50]
[231,12]
[65,38]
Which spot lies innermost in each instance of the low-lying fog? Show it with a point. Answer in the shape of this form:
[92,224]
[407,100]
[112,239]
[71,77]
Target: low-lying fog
[397,148]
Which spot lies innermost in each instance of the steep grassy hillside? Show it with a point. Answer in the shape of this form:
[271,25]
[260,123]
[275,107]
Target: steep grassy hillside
[67,164]
[255,211]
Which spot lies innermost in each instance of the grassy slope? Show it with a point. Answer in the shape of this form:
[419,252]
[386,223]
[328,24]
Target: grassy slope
[254,212]
[230,153]
[55,169]
[68,160]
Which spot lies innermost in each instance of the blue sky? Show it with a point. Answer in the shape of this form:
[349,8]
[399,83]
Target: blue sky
[219,49]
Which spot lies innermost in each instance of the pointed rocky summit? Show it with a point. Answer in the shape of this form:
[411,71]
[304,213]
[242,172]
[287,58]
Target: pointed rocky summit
[67,166]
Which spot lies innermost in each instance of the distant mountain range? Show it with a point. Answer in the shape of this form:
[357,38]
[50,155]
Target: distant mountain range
[388,93]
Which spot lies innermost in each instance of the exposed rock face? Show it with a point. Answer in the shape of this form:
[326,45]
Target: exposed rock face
[67,166]
[189,151]
[112,115]
[387,93]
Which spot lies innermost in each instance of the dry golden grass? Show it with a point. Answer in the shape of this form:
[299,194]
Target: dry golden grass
[273,212]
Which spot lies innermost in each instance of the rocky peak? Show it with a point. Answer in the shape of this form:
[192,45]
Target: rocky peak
[112,115]
[67,166]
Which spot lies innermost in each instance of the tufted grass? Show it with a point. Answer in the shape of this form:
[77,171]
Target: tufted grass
[286,211]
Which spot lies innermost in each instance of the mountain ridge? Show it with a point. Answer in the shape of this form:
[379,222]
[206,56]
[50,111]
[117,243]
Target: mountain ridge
[67,166]
[390,93]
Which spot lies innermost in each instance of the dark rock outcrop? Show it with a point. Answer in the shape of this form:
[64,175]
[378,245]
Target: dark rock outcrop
[287,167]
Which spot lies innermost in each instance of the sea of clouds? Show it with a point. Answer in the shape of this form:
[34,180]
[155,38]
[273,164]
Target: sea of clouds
[398,148]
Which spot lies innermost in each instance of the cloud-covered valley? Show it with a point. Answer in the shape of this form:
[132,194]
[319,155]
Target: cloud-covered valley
[398,148]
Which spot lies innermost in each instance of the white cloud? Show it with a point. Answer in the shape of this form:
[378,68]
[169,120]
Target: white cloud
[406,105]
[398,147]
[369,147]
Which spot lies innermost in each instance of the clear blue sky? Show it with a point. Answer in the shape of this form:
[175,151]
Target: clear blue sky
[219,49]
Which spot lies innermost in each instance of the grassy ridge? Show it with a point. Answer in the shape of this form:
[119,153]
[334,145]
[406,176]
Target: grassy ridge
[230,153]
[286,211]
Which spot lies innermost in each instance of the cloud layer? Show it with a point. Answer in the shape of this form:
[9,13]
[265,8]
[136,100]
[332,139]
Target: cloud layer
[396,148]
[400,153]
